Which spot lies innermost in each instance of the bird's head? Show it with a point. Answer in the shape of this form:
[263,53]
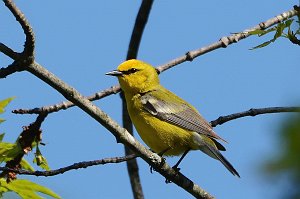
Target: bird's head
[136,76]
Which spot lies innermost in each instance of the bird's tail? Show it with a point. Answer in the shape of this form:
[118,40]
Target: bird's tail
[214,153]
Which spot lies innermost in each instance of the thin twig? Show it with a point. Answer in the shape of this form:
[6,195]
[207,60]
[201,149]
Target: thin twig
[253,112]
[74,166]
[223,42]
[67,104]
[9,52]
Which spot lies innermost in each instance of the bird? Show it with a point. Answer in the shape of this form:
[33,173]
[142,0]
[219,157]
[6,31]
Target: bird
[169,125]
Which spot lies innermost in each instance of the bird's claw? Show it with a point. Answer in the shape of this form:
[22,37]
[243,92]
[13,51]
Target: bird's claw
[176,169]
[163,161]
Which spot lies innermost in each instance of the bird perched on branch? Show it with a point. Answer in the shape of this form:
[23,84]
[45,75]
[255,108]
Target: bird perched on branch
[167,124]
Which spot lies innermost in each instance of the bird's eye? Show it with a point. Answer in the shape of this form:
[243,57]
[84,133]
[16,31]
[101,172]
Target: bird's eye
[133,70]
[130,71]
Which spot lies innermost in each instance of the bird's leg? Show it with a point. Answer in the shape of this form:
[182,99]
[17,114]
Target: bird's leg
[161,155]
[163,152]
[175,167]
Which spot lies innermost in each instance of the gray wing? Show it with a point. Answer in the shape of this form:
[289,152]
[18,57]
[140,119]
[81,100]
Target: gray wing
[178,113]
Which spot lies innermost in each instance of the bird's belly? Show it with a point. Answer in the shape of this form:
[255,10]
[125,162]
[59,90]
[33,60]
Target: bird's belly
[162,136]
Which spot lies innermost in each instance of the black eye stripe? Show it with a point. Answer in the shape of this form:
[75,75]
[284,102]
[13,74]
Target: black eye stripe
[130,71]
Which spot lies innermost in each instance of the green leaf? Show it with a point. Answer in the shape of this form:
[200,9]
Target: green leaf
[279,33]
[257,32]
[40,160]
[279,30]
[25,189]
[2,190]
[288,22]
[4,103]
[262,45]
[292,37]
[262,32]
[1,136]
[9,151]
[269,30]
[25,165]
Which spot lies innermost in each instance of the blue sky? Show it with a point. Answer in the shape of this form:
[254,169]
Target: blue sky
[80,42]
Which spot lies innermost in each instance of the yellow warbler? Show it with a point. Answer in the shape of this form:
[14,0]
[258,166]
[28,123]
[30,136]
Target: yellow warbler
[166,123]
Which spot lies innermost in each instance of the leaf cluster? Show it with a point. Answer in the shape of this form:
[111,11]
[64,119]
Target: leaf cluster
[282,29]
[8,152]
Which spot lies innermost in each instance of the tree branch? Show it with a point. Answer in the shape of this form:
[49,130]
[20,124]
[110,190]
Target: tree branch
[74,166]
[253,112]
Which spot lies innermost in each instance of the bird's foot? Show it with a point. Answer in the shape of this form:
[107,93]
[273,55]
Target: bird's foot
[163,161]
[177,170]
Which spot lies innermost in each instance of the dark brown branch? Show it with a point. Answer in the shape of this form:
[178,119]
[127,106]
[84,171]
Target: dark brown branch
[224,41]
[135,40]
[14,67]
[253,112]
[20,17]
[9,52]
[29,135]
[74,166]
[4,72]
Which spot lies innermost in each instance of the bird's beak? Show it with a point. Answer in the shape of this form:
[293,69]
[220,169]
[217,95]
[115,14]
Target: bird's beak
[114,73]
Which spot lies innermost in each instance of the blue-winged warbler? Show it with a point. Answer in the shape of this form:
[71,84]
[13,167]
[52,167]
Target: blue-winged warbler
[167,124]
